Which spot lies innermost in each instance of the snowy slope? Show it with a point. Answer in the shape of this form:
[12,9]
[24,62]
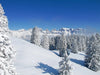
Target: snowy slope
[33,60]
[77,61]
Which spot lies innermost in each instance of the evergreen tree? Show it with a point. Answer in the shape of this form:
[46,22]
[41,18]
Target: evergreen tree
[98,36]
[52,45]
[35,37]
[45,41]
[83,43]
[87,42]
[57,42]
[68,42]
[92,60]
[79,43]
[74,45]
[64,65]
[1,10]
[61,44]
[7,53]
[3,21]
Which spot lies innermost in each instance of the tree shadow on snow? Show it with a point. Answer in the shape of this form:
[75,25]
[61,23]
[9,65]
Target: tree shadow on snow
[80,62]
[82,54]
[56,53]
[47,69]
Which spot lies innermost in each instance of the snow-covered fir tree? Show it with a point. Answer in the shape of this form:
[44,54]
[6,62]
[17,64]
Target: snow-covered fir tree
[52,45]
[83,43]
[92,60]
[64,65]
[57,42]
[79,43]
[98,36]
[68,38]
[35,37]
[74,45]
[7,54]
[87,42]
[45,41]
[61,44]
[1,10]
[3,21]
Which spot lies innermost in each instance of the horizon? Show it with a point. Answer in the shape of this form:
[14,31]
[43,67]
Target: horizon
[52,14]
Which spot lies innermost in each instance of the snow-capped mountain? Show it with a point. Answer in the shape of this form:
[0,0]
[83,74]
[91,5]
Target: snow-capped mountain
[67,31]
[26,34]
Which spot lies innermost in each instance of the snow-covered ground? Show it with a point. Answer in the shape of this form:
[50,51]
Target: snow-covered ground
[34,60]
[77,61]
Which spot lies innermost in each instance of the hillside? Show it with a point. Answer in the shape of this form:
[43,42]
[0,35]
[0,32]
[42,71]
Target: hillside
[34,60]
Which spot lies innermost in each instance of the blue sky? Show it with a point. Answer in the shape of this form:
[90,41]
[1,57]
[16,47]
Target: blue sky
[53,14]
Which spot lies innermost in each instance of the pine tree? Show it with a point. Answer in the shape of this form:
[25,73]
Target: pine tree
[45,41]
[68,38]
[87,42]
[79,43]
[74,45]
[98,36]
[7,53]
[63,45]
[57,42]
[83,43]
[52,45]
[64,65]
[3,21]
[92,60]
[35,37]
[1,10]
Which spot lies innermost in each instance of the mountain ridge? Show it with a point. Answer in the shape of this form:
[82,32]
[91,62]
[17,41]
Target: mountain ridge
[26,34]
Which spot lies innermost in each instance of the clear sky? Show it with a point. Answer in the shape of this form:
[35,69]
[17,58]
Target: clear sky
[52,14]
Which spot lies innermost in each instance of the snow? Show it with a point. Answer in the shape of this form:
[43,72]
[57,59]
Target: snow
[23,34]
[34,60]
[77,61]
[26,34]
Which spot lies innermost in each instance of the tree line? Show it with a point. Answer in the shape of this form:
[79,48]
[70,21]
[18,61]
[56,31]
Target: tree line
[70,43]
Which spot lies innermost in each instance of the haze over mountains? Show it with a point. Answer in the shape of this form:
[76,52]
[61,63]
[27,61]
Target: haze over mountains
[26,34]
